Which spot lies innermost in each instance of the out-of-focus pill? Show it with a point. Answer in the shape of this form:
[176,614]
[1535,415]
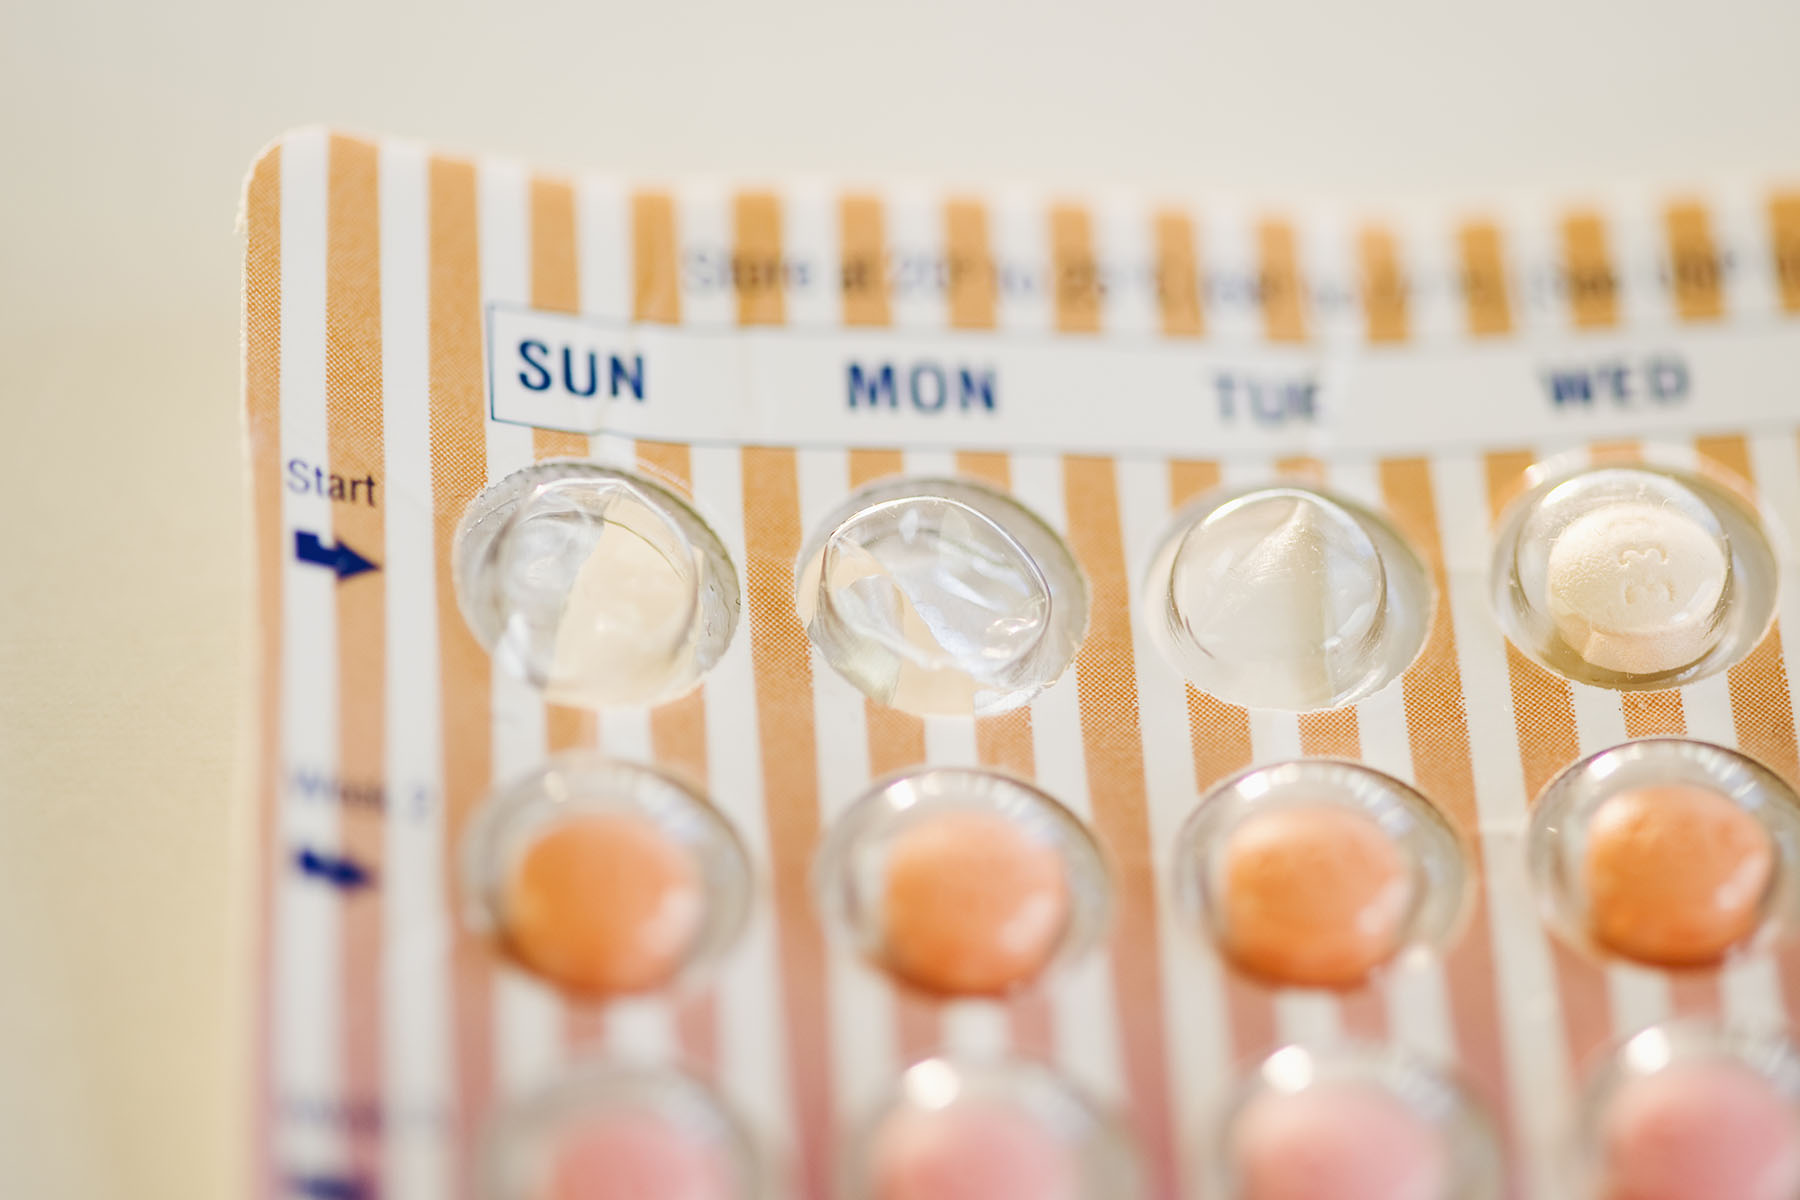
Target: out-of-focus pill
[603,903]
[1634,587]
[1313,895]
[1675,873]
[636,1156]
[972,1152]
[973,904]
[1345,1141]
[1700,1131]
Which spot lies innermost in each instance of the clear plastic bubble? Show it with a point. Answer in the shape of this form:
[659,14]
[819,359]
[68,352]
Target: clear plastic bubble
[940,597]
[599,586]
[1666,851]
[1005,1129]
[1287,597]
[605,878]
[1373,1120]
[1319,873]
[962,882]
[617,1131]
[1633,577]
[1692,1109]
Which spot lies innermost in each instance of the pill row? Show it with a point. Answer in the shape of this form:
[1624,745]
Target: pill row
[1677,1112]
[946,597]
[606,878]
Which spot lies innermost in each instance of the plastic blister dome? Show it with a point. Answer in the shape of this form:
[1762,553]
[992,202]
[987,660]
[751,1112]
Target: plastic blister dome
[1633,577]
[1666,851]
[941,597]
[599,586]
[1319,873]
[1287,597]
[605,878]
[962,882]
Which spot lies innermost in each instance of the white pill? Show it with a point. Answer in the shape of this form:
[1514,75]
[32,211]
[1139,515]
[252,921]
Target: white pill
[1634,587]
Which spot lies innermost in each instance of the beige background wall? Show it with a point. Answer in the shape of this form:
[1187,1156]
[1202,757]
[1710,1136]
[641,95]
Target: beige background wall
[126,128]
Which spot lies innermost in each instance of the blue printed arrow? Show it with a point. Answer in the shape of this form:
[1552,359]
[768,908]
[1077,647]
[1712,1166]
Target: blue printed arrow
[340,558]
[328,1187]
[339,872]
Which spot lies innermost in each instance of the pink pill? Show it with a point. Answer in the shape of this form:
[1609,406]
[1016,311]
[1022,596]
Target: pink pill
[637,1156]
[1342,1141]
[972,1152]
[1701,1131]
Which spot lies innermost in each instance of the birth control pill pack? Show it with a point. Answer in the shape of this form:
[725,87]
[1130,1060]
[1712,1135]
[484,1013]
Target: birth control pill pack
[795,688]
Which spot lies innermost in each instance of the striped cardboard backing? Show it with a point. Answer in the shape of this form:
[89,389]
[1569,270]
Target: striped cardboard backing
[388,1034]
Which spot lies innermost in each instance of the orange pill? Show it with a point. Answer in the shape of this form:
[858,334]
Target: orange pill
[1313,896]
[972,904]
[1675,874]
[604,903]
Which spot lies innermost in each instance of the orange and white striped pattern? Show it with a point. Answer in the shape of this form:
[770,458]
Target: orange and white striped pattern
[388,1033]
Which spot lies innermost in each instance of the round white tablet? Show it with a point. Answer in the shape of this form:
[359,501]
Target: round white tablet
[1634,586]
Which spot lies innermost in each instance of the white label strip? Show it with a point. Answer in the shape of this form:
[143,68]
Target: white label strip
[980,390]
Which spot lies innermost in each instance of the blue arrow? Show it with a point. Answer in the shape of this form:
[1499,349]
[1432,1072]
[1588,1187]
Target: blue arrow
[328,1187]
[340,558]
[339,872]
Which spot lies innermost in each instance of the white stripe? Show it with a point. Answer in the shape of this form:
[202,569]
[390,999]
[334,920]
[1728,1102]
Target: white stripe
[1531,1020]
[752,1038]
[308,996]
[527,1015]
[1087,1029]
[863,1043]
[416,1030]
[917,271]
[1195,1017]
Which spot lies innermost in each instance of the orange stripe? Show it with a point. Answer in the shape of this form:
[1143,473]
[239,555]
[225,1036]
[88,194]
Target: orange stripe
[1004,742]
[678,740]
[1302,468]
[262,402]
[974,299]
[1332,733]
[1438,728]
[1761,703]
[1485,294]
[458,473]
[1616,450]
[1075,270]
[354,438]
[896,740]
[1694,263]
[1544,720]
[1653,714]
[862,241]
[1106,684]
[1283,288]
[761,299]
[1383,286]
[1588,272]
[1784,246]
[782,662]
[555,287]
[784,718]
[1178,275]
[655,278]
[1762,710]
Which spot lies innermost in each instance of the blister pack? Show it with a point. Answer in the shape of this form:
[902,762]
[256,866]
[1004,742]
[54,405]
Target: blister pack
[800,690]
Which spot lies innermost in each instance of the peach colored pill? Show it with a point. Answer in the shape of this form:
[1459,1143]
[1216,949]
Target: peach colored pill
[636,1156]
[603,903]
[973,904]
[1675,874]
[972,1153]
[1338,1142]
[1704,1131]
[1313,896]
